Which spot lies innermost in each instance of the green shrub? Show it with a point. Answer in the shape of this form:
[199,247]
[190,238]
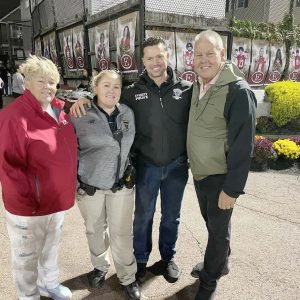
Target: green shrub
[285,99]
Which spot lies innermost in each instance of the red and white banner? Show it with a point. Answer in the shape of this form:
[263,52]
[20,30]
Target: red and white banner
[78,46]
[67,46]
[46,43]
[241,54]
[169,38]
[38,47]
[185,55]
[294,67]
[101,46]
[277,62]
[50,47]
[259,63]
[125,43]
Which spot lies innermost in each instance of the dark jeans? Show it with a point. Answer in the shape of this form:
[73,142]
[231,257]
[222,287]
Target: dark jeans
[170,180]
[218,225]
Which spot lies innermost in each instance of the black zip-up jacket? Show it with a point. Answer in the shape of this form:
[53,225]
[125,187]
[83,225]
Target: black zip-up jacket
[161,117]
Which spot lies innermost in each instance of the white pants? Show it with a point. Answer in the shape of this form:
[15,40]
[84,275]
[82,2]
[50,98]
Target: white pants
[115,211]
[34,251]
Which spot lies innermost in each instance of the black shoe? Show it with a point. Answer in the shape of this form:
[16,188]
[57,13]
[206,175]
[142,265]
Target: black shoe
[204,293]
[96,278]
[133,291]
[141,272]
[172,271]
[197,269]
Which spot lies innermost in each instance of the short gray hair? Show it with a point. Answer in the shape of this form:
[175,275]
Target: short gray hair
[211,36]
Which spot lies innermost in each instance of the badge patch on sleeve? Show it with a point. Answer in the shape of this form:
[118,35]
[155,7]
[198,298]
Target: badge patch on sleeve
[126,123]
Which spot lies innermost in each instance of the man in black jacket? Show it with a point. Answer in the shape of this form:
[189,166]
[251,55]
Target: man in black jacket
[219,145]
[161,103]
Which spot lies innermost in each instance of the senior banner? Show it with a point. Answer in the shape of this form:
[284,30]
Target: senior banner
[125,43]
[277,62]
[259,63]
[53,53]
[241,54]
[169,38]
[185,55]
[294,67]
[46,43]
[37,47]
[78,46]
[67,46]
[101,46]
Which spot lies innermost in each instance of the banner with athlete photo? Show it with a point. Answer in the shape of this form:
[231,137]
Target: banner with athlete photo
[52,46]
[38,47]
[277,62]
[46,48]
[125,43]
[241,54]
[294,67]
[101,46]
[185,55]
[66,40]
[259,62]
[78,46]
[169,38]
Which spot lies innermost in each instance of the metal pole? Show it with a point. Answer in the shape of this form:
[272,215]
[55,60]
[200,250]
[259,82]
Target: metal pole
[11,61]
[142,32]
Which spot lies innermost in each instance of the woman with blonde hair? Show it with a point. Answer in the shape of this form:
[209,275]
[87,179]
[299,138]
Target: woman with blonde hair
[105,195]
[38,180]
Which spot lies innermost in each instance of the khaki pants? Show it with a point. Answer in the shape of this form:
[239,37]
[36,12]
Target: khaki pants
[34,251]
[108,220]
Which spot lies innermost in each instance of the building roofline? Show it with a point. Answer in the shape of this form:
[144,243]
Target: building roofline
[15,9]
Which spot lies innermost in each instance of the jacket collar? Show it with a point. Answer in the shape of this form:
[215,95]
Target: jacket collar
[34,103]
[230,73]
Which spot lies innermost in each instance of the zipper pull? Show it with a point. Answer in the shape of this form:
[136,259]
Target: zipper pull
[161,103]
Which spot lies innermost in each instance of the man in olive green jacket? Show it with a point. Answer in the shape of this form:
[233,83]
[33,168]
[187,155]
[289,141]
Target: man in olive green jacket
[219,144]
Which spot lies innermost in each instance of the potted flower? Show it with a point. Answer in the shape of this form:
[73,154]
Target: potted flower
[296,139]
[288,151]
[263,152]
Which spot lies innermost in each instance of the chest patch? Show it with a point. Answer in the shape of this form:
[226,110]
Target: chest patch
[141,96]
[177,94]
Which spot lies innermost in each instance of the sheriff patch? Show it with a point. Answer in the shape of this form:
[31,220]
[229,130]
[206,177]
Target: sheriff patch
[177,94]
[125,123]
[141,96]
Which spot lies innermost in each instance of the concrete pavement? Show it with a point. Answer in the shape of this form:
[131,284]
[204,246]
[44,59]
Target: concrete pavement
[265,260]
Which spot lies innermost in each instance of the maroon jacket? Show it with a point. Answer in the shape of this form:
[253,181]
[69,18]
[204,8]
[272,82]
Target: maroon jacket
[38,158]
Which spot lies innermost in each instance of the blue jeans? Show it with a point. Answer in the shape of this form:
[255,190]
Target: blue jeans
[170,180]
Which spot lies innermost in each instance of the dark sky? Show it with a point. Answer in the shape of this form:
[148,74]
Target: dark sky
[7,5]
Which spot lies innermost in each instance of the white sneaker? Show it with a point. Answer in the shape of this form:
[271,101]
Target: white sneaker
[59,293]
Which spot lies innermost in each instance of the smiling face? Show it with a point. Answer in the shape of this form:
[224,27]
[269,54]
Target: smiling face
[43,88]
[108,91]
[208,59]
[155,60]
